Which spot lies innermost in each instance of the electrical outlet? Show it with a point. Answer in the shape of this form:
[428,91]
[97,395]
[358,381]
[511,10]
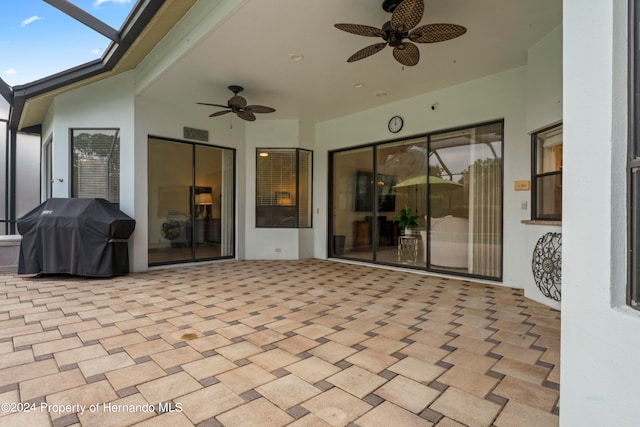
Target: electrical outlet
[278,250]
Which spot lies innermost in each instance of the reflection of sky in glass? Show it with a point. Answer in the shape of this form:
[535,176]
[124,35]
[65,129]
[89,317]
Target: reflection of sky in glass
[404,159]
[38,40]
[458,159]
[457,154]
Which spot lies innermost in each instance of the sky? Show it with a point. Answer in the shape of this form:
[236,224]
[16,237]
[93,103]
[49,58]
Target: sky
[37,40]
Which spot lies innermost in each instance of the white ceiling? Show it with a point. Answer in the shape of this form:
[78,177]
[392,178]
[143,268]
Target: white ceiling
[252,46]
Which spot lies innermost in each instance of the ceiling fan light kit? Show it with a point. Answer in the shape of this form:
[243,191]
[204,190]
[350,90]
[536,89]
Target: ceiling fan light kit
[238,105]
[400,34]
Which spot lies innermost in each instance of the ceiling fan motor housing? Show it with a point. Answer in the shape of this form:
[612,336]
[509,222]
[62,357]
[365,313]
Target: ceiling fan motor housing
[390,5]
[236,89]
[393,37]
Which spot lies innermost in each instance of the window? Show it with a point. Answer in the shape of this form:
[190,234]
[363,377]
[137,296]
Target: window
[283,188]
[546,192]
[96,163]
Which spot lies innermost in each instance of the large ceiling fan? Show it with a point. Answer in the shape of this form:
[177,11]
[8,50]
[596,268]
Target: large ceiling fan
[237,104]
[399,33]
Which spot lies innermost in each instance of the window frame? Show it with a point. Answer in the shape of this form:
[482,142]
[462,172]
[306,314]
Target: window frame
[296,206]
[535,216]
[633,158]
[46,159]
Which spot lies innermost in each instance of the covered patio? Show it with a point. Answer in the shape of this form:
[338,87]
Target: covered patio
[270,343]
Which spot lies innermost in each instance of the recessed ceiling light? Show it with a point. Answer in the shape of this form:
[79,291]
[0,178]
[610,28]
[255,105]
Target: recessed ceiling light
[358,84]
[296,57]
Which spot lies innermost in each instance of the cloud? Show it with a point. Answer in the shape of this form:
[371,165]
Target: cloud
[97,3]
[96,51]
[11,72]
[30,20]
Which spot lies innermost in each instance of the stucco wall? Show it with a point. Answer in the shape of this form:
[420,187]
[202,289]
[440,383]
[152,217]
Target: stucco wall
[600,351]
[106,104]
[544,81]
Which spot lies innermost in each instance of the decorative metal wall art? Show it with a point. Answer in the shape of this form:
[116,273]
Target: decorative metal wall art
[547,265]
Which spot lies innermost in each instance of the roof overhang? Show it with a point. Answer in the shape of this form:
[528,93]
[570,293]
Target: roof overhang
[6,92]
[146,25]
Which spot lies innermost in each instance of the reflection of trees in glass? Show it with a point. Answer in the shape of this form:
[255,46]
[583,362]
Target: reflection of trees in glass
[437,170]
[96,164]
[455,201]
[482,168]
[486,174]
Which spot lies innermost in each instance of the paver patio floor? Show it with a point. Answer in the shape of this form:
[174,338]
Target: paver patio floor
[274,343]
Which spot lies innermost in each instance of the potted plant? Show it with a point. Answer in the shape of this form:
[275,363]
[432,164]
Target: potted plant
[406,220]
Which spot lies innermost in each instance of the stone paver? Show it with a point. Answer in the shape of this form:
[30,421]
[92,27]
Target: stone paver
[300,343]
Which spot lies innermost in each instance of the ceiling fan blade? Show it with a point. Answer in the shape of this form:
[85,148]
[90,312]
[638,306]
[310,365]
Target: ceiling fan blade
[247,115]
[259,109]
[213,105]
[407,15]
[219,113]
[361,30]
[407,54]
[237,101]
[367,51]
[434,33]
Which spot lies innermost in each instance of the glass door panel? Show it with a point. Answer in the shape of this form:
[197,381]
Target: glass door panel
[207,202]
[170,180]
[213,201]
[401,183]
[47,164]
[227,204]
[353,194]
[465,201]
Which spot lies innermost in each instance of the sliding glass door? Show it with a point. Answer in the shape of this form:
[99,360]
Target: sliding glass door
[191,199]
[451,182]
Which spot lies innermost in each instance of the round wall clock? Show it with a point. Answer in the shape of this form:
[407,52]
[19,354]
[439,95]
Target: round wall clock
[395,124]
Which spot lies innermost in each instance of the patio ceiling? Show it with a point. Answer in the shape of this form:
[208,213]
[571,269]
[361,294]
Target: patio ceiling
[252,45]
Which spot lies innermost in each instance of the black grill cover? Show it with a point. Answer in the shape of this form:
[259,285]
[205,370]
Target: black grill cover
[86,237]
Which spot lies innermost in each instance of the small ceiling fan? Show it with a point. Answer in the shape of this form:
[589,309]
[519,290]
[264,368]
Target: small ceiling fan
[405,15]
[237,104]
